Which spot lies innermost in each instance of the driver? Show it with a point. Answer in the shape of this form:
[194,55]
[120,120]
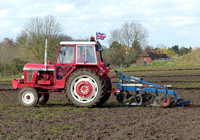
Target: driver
[86,56]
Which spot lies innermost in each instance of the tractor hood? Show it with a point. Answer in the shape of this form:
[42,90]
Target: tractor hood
[38,67]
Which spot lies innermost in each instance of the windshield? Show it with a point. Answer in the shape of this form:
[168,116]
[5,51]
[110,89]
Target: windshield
[66,55]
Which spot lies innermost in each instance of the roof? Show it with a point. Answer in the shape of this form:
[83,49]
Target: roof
[162,56]
[153,56]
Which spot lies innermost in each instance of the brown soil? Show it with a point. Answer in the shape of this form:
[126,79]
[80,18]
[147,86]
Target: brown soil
[60,120]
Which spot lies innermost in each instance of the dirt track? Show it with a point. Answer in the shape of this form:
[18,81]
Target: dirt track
[60,120]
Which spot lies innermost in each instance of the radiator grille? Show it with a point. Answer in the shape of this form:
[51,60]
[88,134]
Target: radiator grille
[29,76]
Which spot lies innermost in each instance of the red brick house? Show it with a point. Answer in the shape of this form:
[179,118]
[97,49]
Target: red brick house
[147,56]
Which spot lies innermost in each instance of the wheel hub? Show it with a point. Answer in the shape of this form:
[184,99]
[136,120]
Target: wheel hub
[27,97]
[84,89]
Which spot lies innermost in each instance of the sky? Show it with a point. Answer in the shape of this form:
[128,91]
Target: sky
[168,22]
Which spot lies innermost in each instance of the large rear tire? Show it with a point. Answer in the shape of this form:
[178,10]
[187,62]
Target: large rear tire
[85,88]
[28,96]
[106,95]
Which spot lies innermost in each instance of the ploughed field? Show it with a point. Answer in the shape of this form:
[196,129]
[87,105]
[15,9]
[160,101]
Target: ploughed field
[60,120]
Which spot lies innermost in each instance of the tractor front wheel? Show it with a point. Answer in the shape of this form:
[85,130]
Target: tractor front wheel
[28,96]
[85,88]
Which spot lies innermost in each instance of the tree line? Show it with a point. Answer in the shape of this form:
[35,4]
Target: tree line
[128,42]
[29,45]
[125,45]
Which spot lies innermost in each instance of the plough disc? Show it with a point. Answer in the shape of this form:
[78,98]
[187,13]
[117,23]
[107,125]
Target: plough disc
[150,100]
[183,102]
[137,100]
[121,98]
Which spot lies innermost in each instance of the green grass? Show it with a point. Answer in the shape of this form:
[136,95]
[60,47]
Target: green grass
[30,114]
[164,73]
[149,67]
[39,115]
[2,107]
[190,60]
[186,85]
[68,127]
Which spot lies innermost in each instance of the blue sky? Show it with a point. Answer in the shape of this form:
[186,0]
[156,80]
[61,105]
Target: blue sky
[169,22]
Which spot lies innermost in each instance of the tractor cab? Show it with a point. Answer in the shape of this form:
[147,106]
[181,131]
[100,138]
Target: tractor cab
[79,54]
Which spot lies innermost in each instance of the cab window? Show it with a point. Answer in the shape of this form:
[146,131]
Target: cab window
[66,55]
[86,54]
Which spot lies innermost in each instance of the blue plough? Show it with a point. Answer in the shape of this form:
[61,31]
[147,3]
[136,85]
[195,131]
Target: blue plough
[143,93]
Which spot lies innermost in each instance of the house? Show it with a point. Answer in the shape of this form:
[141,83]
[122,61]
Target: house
[147,56]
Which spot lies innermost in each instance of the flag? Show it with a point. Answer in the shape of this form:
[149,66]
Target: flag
[100,36]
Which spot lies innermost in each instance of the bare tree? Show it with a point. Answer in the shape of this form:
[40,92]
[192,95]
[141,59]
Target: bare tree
[132,37]
[32,38]
[129,34]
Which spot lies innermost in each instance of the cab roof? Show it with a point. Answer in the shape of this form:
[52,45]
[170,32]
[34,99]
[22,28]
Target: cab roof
[96,43]
[78,43]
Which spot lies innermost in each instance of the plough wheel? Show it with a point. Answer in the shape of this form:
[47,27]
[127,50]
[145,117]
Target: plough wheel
[138,99]
[165,103]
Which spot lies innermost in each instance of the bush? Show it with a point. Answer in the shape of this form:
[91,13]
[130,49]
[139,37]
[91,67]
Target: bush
[162,63]
[189,59]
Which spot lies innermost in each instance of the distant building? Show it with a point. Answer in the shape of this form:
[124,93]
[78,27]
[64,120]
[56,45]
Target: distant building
[147,56]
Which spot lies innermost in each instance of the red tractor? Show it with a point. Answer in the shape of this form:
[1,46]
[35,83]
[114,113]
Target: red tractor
[78,71]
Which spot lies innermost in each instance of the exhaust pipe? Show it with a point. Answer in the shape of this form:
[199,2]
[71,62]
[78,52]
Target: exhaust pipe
[45,56]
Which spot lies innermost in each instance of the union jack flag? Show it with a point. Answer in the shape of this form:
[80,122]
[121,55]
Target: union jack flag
[100,36]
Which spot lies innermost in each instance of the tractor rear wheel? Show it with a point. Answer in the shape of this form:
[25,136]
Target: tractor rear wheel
[85,88]
[43,98]
[166,102]
[106,95]
[28,96]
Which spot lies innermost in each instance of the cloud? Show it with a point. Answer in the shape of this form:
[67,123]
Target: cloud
[4,13]
[16,30]
[181,20]
[37,5]
[64,8]
[161,18]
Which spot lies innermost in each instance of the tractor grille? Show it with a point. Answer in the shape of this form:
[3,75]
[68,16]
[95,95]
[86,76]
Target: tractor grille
[29,76]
